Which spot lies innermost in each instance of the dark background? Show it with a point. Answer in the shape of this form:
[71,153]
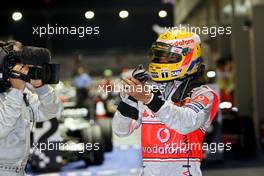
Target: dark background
[115,33]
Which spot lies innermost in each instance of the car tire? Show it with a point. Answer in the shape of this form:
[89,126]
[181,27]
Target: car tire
[106,126]
[93,135]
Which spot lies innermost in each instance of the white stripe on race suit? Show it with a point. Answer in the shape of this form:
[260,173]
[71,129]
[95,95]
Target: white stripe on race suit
[152,122]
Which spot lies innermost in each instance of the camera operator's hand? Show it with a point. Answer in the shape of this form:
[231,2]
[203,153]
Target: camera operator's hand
[36,83]
[18,83]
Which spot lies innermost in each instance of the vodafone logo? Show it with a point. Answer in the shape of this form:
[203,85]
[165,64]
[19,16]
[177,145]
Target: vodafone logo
[200,98]
[163,135]
[180,43]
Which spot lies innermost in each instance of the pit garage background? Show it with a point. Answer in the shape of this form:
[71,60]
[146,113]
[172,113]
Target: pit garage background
[126,30]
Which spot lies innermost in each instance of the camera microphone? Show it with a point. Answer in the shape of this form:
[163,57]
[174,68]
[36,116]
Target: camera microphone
[35,56]
[40,67]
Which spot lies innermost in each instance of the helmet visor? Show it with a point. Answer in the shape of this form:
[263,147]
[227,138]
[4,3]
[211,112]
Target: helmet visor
[162,52]
[161,56]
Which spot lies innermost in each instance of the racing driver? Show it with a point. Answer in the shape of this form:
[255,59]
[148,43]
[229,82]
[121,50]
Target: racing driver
[175,118]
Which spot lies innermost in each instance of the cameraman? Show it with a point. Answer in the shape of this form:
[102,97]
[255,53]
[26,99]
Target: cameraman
[19,107]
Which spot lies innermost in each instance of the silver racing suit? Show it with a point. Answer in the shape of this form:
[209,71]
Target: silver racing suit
[184,120]
[15,122]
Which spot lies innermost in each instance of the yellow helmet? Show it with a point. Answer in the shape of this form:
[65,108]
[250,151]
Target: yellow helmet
[175,55]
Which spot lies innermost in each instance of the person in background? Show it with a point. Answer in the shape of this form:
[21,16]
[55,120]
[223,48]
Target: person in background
[81,82]
[225,79]
[107,82]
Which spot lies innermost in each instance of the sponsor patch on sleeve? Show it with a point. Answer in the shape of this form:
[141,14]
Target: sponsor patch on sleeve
[194,107]
[202,100]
